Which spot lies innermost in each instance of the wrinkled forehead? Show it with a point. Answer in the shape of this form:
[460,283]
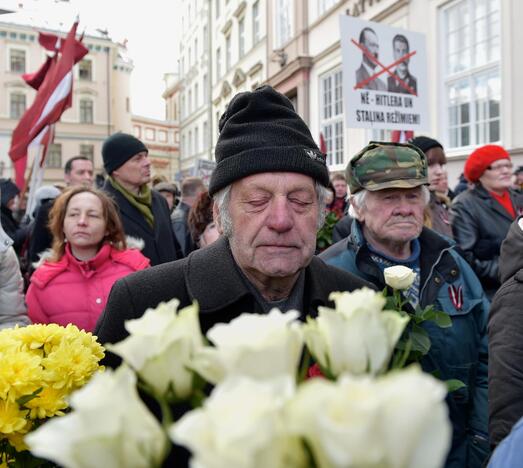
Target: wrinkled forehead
[274,182]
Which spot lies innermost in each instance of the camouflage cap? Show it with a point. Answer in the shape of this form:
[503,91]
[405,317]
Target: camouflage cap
[382,165]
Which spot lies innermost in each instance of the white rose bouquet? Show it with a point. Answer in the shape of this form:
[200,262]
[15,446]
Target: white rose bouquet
[252,403]
[415,342]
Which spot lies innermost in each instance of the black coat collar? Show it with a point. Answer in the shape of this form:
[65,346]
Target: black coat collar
[222,286]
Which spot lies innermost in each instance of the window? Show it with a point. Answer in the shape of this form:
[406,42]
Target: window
[162,136]
[205,37]
[196,96]
[324,5]
[471,29]
[331,116]
[189,57]
[54,156]
[205,130]
[218,64]
[241,37]
[137,131]
[283,23]
[228,52]
[184,113]
[87,151]
[217,8]
[17,105]
[150,134]
[205,85]
[189,151]
[195,50]
[196,141]
[189,102]
[86,111]
[256,22]
[17,61]
[85,70]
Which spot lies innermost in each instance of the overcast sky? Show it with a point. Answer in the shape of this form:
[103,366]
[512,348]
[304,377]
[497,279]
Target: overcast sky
[150,28]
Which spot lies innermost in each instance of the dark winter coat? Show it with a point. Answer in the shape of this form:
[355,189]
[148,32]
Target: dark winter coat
[211,277]
[506,340]
[342,229]
[480,224]
[459,352]
[13,229]
[41,238]
[181,228]
[160,243]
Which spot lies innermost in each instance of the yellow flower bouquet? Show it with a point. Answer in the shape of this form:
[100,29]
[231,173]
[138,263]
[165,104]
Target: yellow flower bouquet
[40,366]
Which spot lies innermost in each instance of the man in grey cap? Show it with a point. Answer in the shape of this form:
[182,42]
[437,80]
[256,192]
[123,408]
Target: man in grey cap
[268,188]
[388,186]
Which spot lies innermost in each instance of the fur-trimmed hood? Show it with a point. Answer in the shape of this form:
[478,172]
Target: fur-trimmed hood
[132,243]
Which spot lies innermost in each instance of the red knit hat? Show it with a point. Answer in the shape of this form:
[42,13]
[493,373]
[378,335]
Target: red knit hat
[481,158]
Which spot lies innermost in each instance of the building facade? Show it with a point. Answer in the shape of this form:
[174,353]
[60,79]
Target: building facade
[162,140]
[222,52]
[294,45]
[473,70]
[194,85]
[101,94]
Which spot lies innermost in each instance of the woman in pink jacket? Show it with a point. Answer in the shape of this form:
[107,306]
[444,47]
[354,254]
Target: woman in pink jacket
[89,254]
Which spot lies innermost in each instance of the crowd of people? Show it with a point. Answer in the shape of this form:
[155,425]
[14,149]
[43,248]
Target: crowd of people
[97,257]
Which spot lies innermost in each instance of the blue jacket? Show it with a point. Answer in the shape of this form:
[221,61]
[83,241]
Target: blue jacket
[459,352]
[509,452]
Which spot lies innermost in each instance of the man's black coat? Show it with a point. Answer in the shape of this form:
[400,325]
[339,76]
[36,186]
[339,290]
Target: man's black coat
[160,243]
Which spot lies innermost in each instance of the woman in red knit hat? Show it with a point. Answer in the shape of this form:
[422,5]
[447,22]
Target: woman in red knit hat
[481,217]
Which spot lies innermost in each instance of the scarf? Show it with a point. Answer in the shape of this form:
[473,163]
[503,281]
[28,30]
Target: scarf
[142,202]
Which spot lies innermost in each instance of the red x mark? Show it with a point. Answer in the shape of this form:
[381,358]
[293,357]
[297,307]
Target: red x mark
[384,69]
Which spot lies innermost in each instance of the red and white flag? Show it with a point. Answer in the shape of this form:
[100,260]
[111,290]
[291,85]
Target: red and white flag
[54,96]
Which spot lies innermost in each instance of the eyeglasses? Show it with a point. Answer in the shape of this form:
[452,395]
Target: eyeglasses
[500,167]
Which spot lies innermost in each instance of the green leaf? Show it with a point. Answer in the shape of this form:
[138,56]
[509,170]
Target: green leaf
[442,319]
[23,400]
[454,384]
[420,339]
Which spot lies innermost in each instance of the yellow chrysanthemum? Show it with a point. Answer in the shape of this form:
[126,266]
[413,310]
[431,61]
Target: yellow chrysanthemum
[17,440]
[40,337]
[12,418]
[70,365]
[20,374]
[49,402]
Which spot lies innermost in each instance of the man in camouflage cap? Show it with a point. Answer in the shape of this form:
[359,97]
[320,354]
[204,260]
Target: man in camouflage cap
[388,184]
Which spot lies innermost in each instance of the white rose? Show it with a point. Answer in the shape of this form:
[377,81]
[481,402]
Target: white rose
[254,345]
[338,421]
[398,420]
[241,425]
[415,428]
[399,277]
[161,345]
[110,426]
[358,337]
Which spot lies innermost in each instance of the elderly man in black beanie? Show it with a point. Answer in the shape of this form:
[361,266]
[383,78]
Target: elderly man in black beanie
[144,212]
[268,187]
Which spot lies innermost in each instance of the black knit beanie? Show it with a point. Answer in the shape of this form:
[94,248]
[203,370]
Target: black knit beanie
[261,132]
[425,143]
[118,149]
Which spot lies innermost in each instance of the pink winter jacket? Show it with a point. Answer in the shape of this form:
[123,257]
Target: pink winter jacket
[73,291]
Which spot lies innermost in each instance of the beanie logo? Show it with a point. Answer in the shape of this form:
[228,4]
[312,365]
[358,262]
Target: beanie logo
[315,156]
